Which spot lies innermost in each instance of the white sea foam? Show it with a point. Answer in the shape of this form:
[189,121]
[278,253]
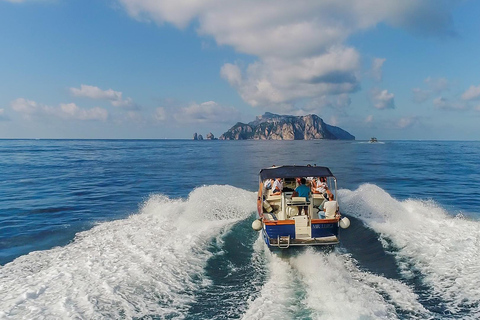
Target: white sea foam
[277,298]
[148,264]
[320,285]
[444,247]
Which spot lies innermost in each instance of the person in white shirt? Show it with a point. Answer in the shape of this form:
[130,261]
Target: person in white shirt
[277,186]
[330,207]
[320,186]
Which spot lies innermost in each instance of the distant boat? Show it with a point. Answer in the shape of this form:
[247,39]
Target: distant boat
[373,140]
[280,217]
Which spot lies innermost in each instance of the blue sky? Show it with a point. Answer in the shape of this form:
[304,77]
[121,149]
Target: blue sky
[165,69]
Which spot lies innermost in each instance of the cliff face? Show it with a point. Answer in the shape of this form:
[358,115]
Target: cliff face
[277,127]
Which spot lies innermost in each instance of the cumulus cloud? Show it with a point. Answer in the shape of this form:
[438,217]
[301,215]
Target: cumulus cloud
[376,71]
[30,108]
[407,122]
[472,93]
[72,111]
[207,112]
[114,97]
[420,95]
[437,84]
[299,45]
[382,99]
[160,114]
[276,81]
[443,103]
[24,106]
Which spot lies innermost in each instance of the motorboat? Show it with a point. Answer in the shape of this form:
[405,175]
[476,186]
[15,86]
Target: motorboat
[285,219]
[373,140]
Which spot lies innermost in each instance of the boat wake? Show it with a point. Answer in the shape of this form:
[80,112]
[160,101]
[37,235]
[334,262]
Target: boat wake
[437,252]
[197,258]
[315,284]
[149,264]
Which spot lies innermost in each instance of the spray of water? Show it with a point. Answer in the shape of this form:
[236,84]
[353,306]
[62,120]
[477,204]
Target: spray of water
[315,284]
[149,264]
[442,246]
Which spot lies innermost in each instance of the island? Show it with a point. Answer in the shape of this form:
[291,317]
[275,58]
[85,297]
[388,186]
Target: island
[272,126]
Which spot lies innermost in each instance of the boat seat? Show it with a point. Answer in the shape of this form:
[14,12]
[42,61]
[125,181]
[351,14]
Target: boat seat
[271,197]
[298,200]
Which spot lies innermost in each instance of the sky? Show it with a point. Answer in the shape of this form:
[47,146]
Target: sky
[144,69]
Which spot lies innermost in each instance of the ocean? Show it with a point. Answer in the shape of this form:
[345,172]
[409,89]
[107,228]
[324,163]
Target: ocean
[161,229]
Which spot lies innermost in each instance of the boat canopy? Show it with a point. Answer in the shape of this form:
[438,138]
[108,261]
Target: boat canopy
[294,172]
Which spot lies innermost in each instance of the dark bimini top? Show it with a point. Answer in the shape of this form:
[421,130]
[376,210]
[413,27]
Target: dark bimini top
[294,172]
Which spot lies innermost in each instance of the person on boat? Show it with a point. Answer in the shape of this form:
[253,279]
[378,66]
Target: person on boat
[330,207]
[320,186]
[277,186]
[267,185]
[302,191]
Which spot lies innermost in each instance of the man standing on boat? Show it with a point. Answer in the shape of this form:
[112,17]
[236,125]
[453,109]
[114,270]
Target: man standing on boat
[302,191]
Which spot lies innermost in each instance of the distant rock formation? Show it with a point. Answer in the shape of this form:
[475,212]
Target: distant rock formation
[195,136]
[200,137]
[284,127]
[210,136]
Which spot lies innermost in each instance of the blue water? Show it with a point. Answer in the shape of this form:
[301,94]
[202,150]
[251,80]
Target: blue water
[96,229]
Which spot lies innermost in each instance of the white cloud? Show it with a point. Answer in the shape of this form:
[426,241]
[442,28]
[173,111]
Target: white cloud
[443,103]
[207,112]
[407,122]
[72,111]
[31,108]
[369,119]
[25,106]
[114,97]
[160,114]
[382,99]
[377,65]
[435,85]
[96,93]
[276,81]
[300,45]
[420,95]
[472,93]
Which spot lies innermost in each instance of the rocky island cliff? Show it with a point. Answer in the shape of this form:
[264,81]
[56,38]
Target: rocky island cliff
[284,127]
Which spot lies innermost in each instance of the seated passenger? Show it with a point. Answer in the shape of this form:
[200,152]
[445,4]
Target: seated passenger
[302,191]
[277,186]
[330,207]
[267,185]
[320,186]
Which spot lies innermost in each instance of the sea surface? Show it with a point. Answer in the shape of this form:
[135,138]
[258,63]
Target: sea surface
[161,229]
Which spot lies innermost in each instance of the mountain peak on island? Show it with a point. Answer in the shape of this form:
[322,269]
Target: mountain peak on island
[270,126]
